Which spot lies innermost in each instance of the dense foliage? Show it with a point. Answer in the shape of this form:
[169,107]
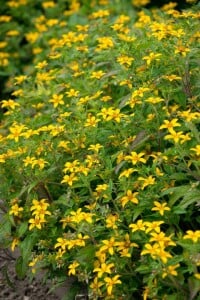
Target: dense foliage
[100,150]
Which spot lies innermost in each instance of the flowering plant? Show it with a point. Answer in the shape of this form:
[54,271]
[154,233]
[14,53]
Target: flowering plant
[100,153]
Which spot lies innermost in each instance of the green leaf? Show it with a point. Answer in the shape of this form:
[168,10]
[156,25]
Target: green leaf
[4,271]
[176,193]
[20,267]
[26,247]
[191,197]
[194,287]
[22,229]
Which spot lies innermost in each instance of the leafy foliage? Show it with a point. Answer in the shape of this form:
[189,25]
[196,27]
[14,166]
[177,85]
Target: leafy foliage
[100,151]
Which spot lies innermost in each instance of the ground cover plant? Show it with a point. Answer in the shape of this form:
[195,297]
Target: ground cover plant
[100,152]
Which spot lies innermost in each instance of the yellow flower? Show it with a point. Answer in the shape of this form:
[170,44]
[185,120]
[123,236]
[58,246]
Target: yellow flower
[188,115]
[108,246]
[170,124]
[15,242]
[125,60]
[155,225]
[192,235]
[139,225]
[105,42]
[9,103]
[125,245]
[170,270]
[91,121]
[175,136]
[147,181]
[182,50]
[152,56]
[56,100]
[139,3]
[160,207]
[161,239]
[96,284]
[20,79]
[16,131]
[196,150]
[61,243]
[136,157]
[40,162]
[110,282]
[154,100]
[101,13]
[72,268]
[15,210]
[103,268]
[95,147]
[36,222]
[41,64]
[130,196]
[28,160]
[69,179]
[97,74]
[197,275]
[127,173]
[151,249]
[163,255]
[172,77]
[79,216]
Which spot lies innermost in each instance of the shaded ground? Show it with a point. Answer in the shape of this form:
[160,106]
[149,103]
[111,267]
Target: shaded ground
[12,288]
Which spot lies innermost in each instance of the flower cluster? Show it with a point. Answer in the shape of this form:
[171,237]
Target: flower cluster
[100,149]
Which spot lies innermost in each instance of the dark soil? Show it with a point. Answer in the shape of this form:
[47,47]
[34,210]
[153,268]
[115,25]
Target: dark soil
[12,288]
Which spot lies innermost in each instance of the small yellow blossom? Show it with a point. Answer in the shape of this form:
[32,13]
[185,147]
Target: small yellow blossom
[104,268]
[97,74]
[174,135]
[172,77]
[125,60]
[170,124]
[9,104]
[56,100]
[196,150]
[147,181]
[91,121]
[130,196]
[15,210]
[72,268]
[15,242]
[153,226]
[108,245]
[69,179]
[20,79]
[36,222]
[104,43]
[170,270]
[182,50]
[95,147]
[136,157]
[192,235]
[151,57]
[110,282]
[111,221]
[127,173]
[160,207]
[151,249]
[139,225]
